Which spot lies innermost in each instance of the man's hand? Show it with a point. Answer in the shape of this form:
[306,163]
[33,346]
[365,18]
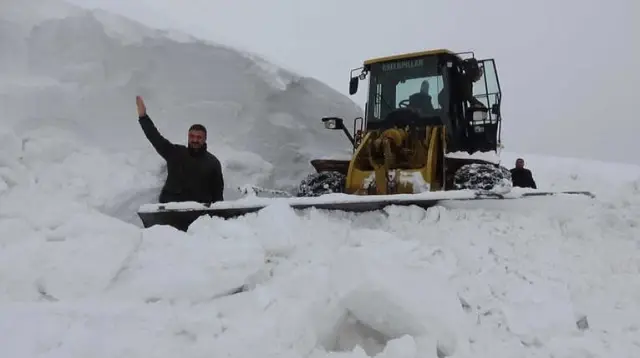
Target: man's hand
[142,109]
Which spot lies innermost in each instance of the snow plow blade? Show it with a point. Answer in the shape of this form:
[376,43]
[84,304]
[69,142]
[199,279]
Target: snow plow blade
[181,215]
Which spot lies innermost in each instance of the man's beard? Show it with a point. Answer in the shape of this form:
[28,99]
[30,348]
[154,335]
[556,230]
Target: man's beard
[197,151]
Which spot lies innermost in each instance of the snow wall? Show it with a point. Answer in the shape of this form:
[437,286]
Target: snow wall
[67,93]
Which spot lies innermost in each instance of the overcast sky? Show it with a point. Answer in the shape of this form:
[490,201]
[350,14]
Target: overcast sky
[567,68]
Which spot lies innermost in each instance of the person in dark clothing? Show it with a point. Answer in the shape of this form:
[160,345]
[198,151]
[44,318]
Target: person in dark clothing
[194,174]
[473,73]
[421,100]
[522,177]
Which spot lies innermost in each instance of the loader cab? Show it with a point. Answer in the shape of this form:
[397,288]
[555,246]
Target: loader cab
[407,89]
[436,87]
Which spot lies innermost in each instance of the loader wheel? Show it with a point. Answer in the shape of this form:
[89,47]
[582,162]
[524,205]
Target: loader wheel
[486,177]
[317,184]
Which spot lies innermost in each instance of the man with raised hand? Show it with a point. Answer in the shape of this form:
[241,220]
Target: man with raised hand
[193,174]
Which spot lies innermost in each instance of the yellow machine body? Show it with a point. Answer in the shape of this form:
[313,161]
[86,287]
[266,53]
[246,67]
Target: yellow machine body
[395,161]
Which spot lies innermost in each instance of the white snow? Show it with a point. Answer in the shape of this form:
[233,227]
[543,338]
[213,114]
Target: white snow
[80,278]
[335,198]
[490,156]
[416,180]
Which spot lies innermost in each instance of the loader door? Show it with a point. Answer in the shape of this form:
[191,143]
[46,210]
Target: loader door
[484,128]
[487,88]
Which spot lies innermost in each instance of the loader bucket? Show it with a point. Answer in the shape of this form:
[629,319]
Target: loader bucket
[181,215]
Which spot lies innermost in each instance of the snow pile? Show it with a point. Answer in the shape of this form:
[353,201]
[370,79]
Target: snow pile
[528,278]
[69,81]
[516,278]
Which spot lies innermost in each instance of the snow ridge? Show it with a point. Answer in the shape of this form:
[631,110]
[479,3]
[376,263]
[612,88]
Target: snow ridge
[84,79]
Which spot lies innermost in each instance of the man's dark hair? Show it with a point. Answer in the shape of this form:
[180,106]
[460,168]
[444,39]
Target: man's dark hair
[198,127]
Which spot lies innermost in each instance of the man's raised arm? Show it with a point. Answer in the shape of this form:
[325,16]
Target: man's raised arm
[161,144]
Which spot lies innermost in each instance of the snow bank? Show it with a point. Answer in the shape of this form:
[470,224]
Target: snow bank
[70,76]
[454,282]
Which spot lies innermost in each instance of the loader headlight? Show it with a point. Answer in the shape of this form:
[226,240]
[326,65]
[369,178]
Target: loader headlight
[330,124]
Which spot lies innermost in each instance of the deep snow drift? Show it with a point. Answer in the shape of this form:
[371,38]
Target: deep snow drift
[537,278]
[68,94]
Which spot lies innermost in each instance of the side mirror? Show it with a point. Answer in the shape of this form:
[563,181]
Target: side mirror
[353,85]
[495,109]
[337,123]
[333,123]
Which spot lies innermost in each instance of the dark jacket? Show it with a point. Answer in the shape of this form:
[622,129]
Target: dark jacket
[190,176]
[422,102]
[523,178]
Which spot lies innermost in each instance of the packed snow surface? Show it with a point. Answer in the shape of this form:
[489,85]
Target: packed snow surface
[542,277]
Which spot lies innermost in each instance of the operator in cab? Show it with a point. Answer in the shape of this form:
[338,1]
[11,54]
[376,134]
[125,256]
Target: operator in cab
[194,174]
[473,73]
[421,101]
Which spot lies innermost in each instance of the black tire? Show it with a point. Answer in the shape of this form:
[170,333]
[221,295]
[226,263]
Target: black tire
[484,177]
[317,184]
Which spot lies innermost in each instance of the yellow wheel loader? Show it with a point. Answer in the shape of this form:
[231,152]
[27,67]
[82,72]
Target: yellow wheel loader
[431,132]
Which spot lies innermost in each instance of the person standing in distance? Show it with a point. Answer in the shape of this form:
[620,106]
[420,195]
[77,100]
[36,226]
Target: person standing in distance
[522,177]
[193,174]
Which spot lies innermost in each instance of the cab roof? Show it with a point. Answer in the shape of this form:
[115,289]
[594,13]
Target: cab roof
[408,55]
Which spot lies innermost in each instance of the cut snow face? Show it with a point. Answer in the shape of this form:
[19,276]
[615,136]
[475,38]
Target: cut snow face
[79,71]
[541,277]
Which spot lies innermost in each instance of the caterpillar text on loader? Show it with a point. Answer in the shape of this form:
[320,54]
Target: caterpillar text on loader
[431,132]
